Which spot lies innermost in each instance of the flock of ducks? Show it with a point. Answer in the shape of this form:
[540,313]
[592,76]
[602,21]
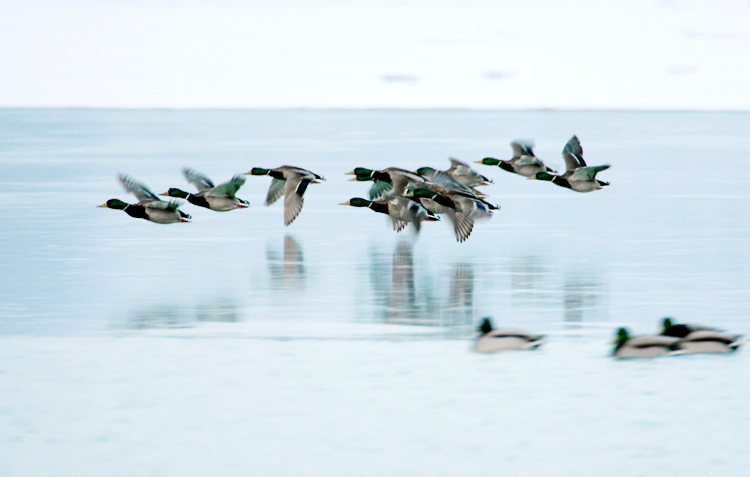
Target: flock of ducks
[673,339]
[407,197]
[413,197]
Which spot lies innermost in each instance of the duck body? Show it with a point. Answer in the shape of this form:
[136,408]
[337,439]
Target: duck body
[221,198]
[149,207]
[710,341]
[401,210]
[391,180]
[524,162]
[701,339]
[461,208]
[643,346]
[290,182]
[492,340]
[577,176]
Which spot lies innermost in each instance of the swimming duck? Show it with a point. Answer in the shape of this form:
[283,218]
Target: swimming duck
[504,338]
[701,339]
[149,207]
[460,208]
[291,182]
[400,209]
[220,198]
[523,162]
[391,179]
[577,176]
[642,346]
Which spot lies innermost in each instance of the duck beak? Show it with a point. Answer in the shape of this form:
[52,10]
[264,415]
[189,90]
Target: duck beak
[353,179]
[409,195]
[350,173]
[348,202]
[478,162]
[164,194]
[532,177]
[248,173]
[103,205]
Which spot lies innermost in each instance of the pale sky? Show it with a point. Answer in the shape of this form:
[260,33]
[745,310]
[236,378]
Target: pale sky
[641,54]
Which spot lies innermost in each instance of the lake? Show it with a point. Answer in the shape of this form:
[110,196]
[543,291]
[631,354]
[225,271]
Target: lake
[667,238]
[233,345]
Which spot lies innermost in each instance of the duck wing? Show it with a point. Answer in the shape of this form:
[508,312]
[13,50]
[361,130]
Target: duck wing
[294,190]
[587,173]
[199,180]
[229,188]
[401,180]
[573,155]
[463,224]
[275,191]
[138,189]
[522,148]
[379,189]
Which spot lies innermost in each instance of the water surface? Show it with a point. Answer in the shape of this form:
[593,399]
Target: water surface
[668,238]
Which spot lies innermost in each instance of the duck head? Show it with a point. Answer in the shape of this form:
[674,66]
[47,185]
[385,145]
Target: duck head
[488,161]
[172,192]
[357,202]
[114,204]
[542,176]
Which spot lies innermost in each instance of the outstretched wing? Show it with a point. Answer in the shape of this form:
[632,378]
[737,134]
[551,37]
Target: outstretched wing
[162,205]
[522,148]
[275,191]
[526,160]
[294,190]
[587,173]
[573,155]
[463,224]
[138,189]
[199,180]
[398,225]
[229,188]
[379,189]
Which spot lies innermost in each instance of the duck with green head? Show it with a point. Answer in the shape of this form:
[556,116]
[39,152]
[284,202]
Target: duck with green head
[577,176]
[524,162]
[701,339]
[219,198]
[627,346]
[290,182]
[401,210]
[391,180]
[149,207]
[460,208]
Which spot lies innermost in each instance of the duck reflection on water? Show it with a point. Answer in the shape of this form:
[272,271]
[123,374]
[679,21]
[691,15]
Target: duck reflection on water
[288,270]
[409,297]
[583,293]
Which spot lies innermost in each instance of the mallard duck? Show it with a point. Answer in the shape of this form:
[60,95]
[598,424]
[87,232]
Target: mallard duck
[291,182]
[460,208]
[523,162]
[149,207]
[504,338]
[400,209]
[391,179]
[642,346]
[578,176]
[220,198]
[701,339]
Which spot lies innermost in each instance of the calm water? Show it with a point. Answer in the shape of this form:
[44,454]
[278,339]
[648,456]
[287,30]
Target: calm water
[670,237]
